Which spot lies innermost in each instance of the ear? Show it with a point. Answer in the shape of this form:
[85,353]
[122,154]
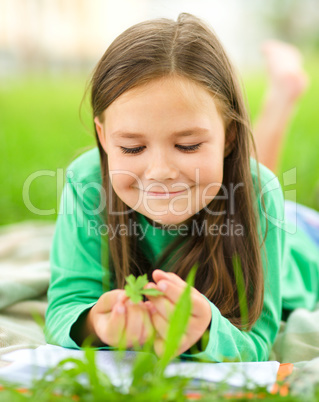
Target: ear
[100,132]
[230,140]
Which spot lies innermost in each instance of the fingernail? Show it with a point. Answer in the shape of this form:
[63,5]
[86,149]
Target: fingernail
[162,286]
[120,309]
[120,297]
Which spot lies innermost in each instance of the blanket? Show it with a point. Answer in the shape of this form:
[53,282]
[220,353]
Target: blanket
[24,280]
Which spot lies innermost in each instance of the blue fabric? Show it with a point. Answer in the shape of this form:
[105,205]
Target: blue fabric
[307,219]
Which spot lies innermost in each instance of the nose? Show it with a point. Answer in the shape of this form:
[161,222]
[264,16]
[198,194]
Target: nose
[161,167]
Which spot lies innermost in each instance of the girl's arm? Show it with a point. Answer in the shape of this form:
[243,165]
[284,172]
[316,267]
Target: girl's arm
[227,342]
[79,304]
[75,259]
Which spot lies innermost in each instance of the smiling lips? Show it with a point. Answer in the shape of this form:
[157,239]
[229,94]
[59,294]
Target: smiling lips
[155,192]
[162,194]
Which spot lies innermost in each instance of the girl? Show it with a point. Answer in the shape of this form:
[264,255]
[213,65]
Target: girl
[172,184]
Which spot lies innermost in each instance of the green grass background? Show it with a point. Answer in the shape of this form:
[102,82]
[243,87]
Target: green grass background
[40,129]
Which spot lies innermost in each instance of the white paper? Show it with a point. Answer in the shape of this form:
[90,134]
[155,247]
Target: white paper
[29,364]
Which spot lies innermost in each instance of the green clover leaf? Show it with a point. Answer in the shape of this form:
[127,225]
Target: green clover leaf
[134,288]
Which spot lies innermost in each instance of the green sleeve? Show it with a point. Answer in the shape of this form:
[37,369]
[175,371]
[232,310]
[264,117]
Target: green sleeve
[227,342]
[75,258]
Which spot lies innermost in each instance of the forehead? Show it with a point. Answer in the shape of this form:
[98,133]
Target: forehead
[174,91]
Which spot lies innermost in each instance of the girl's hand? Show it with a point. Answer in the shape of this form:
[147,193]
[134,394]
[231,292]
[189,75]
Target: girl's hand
[114,316]
[138,324]
[161,307]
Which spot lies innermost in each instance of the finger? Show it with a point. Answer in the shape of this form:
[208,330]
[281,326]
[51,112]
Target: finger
[159,346]
[108,300]
[158,274]
[200,305]
[122,297]
[160,325]
[147,328]
[112,325]
[194,330]
[173,293]
[134,323]
[161,305]
[192,334]
[150,307]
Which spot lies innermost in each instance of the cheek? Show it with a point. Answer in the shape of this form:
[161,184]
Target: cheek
[211,175]
[123,180]
[121,173]
[211,165]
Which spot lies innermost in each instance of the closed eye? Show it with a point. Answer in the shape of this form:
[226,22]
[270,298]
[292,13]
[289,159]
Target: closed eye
[183,148]
[188,148]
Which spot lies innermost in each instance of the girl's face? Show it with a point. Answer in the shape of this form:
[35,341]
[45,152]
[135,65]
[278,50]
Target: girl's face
[165,144]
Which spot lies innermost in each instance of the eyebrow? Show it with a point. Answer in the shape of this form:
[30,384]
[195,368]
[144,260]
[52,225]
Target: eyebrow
[184,133]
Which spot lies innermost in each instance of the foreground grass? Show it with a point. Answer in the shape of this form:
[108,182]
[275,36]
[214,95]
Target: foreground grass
[80,379]
[40,129]
[84,382]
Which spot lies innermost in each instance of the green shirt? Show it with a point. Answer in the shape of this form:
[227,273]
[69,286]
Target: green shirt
[291,271]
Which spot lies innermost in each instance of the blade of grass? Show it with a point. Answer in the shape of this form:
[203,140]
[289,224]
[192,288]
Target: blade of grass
[240,284]
[98,380]
[178,323]
[145,362]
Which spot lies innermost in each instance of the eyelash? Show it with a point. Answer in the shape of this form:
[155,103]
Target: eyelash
[137,150]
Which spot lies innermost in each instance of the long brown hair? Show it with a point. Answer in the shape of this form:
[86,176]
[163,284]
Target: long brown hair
[187,48]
